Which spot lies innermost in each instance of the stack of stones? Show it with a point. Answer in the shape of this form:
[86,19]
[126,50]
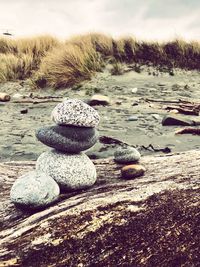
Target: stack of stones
[65,167]
[131,156]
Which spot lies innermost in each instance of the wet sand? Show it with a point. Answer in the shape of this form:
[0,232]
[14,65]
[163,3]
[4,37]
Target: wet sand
[18,141]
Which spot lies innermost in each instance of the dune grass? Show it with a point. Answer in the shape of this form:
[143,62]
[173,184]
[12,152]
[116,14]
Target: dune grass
[50,62]
[68,64]
[21,57]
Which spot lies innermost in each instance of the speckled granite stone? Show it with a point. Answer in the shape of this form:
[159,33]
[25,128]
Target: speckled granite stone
[75,112]
[126,155]
[70,171]
[71,139]
[34,190]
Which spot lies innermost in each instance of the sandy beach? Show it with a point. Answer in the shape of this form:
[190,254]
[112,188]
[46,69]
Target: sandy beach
[132,115]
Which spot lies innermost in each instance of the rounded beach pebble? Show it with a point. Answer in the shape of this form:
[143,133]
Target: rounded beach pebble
[71,139]
[99,100]
[75,112]
[126,155]
[132,171]
[70,171]
[34,190]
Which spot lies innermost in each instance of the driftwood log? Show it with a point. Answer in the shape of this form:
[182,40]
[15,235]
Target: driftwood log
[189,130]
[182,106]
[185,109]
[153,220]
[36,101]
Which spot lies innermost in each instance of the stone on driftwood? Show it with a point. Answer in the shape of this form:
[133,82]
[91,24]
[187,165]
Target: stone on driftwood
[152,220]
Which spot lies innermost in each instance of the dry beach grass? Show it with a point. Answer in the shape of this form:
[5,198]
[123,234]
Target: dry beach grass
[51,62]
[20,58]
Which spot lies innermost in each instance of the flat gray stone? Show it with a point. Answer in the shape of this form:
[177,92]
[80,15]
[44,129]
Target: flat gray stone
[34,190]
[132,118]
[71,139]
[75,112]
[126,155]
[70,171]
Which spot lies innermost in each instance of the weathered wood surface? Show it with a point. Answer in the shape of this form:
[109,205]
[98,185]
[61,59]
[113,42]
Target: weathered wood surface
[36,101]
[153,220]
[185,109]
[189,130]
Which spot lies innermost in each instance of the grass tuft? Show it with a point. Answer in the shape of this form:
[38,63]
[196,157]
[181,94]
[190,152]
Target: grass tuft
[69,64]
[117,69]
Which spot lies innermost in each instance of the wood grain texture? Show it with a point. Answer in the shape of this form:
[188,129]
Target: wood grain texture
[150,221]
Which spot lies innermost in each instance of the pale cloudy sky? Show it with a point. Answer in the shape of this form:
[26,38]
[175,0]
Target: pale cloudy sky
[146,19]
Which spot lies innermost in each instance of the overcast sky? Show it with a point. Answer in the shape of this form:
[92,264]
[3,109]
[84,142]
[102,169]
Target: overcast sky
[146,19]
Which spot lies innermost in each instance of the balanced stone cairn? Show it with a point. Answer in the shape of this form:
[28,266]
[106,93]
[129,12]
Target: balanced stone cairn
[65,167]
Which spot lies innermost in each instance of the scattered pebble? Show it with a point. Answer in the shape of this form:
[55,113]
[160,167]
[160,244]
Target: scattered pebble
[132,171]
[151,105]
[126,155]
[4,97]
[135,103]
[34,190]
[174,111]
[118,102]
[99,100]
[134,90]
[24,111]
[132,118]
[161,84]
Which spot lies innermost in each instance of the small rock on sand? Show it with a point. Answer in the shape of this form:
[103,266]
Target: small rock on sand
[24,111]
[132,118]
[174,111]
[118,102]
[134,90]
[135,103]
[99,100]
[4,97]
